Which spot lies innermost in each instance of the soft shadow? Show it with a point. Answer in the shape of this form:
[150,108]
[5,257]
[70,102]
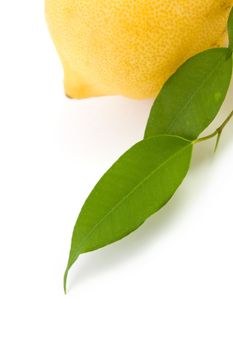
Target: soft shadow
[99,262]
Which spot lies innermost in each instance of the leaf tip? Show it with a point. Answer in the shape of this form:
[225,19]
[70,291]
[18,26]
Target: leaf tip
[217,141]
[65,280]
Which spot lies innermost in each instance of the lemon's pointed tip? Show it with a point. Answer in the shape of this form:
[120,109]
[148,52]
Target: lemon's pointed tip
[68,96]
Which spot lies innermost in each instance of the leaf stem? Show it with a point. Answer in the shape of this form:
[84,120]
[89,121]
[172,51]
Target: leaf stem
[217,132]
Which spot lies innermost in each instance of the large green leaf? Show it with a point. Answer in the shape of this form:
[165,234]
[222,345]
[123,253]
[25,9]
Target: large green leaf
[192,97]
[135,187]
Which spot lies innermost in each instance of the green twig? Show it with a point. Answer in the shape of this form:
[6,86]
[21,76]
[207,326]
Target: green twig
[217,132]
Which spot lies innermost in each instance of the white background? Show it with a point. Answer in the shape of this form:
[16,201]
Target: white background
[167,286]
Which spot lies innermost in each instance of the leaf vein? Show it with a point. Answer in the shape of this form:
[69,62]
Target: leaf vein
[128,195]
[171,126]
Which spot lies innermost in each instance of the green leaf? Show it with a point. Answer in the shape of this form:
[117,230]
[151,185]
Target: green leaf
[230,29]
[135,187]
[192,97]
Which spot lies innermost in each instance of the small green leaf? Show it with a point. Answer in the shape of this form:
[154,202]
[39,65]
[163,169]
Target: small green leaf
[135,187]
[230,29]
[192,97]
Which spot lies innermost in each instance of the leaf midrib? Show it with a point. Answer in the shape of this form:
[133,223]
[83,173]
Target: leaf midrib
[128,195]
[180,112]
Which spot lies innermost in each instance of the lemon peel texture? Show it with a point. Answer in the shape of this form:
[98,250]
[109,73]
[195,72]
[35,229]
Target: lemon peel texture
[131,47]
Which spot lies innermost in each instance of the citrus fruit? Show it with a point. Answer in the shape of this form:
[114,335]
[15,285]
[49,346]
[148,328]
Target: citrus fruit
[131,47]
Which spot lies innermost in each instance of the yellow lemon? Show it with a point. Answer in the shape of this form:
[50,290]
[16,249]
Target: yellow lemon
[131,47]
